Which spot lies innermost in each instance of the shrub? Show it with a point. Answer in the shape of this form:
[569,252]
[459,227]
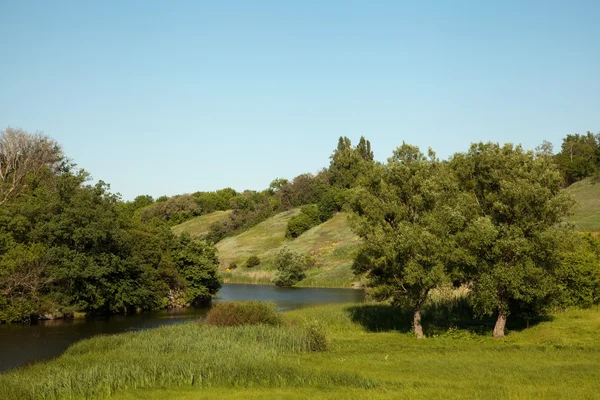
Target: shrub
[233,265]
[316,337]
[252,261]
[297,225]
[290,267]
[234,313]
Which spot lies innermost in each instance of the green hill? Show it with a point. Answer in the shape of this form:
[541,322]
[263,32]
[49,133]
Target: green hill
[587,211]
[199,226]
[331,245]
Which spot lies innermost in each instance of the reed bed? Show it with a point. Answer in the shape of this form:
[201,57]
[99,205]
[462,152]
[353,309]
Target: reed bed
[175,356]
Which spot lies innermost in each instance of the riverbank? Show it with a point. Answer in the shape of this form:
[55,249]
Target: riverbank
[22,344]
[371,355]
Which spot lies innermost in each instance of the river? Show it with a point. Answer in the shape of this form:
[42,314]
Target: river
[22,344]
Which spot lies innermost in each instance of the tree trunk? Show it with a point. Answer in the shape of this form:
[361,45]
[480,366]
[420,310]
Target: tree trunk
[500,324]
[417,323]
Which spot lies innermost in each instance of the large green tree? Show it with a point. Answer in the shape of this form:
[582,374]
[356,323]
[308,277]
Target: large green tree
[512,243]
[67,246]
[409,213]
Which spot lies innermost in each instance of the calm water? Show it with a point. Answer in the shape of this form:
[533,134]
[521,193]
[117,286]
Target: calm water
[21,344]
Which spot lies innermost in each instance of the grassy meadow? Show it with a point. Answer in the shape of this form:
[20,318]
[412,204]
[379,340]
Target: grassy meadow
[332,245]
[371,355]
[199,226]
[586,214]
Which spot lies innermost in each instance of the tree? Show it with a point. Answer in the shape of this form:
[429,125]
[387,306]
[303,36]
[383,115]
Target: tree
[22,154]
[512,243]
[290,267]
[409,213]
[198,264]
[579,156]
[348,164]
[364,149]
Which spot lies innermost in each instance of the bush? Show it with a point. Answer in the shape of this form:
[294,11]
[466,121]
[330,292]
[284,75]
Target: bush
[316,337]
[297,225]
[252,261]
[290,267]
[235,313]
[233,265]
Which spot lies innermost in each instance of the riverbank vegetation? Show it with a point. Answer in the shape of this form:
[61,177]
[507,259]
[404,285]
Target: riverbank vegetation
[371,353]
[67,246]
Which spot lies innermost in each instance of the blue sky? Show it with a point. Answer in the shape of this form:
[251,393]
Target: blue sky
[174,97]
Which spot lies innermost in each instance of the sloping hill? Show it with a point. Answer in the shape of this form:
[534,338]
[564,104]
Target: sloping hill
[332,246]
[587,211]
[261,240]
[199,226]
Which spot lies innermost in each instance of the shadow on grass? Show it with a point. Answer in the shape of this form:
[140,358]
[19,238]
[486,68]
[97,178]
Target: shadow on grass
[438,319]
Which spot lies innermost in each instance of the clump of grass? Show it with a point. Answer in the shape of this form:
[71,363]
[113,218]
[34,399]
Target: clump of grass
[235,313]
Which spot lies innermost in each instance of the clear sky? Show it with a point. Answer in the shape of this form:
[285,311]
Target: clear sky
[173,97]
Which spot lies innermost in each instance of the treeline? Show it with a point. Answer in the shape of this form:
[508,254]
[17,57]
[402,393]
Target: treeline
[320,195]
[67,246]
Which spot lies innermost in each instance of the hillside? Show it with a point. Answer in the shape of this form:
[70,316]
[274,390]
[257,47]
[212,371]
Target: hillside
[587,211]
[199,226]
[332,245]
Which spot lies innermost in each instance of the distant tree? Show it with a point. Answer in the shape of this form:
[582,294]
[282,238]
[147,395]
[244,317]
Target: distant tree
[290,267]
[579,156]
[348,164]
[277,184]
[409,213]
[513,243]
[364,149]
[306,219]
[23,154]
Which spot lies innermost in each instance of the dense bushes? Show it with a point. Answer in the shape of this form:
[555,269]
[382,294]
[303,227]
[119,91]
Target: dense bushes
[66,247]
[298,224]
[235,313]
[578,272]
[290,267]
[252,261]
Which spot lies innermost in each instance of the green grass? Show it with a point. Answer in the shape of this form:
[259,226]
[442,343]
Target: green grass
[332,244]
[183,355]
[199,226]
[261,240]
[372,356]
[586,215]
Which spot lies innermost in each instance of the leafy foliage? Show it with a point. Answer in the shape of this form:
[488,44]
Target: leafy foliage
[308,217]
[66,246]
[252,261]
[290,267]
[409,213]
[513,242]
[579,156]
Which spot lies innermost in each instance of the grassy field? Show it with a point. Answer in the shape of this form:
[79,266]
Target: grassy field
[331,244]
[587,211]
[372,356]
[199,226]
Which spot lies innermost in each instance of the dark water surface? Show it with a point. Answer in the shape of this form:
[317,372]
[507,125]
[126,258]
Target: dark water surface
[21,344]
